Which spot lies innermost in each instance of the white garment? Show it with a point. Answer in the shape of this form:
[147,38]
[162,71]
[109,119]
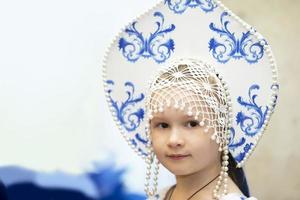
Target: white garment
[236,196]
[230,196]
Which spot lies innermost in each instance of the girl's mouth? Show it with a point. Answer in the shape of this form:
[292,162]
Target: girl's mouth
[177,156]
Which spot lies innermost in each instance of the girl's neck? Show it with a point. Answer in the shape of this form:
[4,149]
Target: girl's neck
[186,185]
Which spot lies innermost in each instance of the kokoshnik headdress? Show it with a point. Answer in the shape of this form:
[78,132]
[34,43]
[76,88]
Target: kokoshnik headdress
[199,50]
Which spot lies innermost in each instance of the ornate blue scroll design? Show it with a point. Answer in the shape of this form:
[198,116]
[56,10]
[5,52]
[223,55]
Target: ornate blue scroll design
[250,123]
[228,46]
[253,121]
[179,6]
[135,45]
[234,145]
[127,114]
[138,138]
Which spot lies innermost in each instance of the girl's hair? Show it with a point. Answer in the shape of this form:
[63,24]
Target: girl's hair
[238,176]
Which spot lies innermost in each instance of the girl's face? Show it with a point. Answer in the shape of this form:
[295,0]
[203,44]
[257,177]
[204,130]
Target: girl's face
[181,144]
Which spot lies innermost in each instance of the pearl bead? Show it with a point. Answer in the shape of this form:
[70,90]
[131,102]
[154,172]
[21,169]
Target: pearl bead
[225,157]
[213,137]
[225,162]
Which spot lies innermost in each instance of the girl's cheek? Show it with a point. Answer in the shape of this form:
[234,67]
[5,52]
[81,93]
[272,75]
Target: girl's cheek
[157,144]
[155,138]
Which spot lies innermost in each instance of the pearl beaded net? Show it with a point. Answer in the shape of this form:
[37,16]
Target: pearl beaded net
[193,87]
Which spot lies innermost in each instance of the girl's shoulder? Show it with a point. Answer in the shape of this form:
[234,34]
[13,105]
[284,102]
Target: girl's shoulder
[236,196]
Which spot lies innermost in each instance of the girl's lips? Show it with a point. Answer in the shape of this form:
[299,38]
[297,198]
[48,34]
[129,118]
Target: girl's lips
[177,157]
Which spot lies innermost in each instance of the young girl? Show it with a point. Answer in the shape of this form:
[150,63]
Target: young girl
[201,121]
[188,108]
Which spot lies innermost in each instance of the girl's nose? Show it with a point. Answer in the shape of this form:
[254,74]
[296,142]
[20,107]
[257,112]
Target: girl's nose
[175,138]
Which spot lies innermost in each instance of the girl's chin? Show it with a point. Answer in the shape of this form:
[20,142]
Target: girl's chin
[178,169]
[181,171]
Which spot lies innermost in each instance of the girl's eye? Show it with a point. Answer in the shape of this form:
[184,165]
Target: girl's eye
[191,124]
[162,125]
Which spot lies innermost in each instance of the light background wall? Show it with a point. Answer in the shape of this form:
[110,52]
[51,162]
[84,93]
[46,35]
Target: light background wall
[52,110]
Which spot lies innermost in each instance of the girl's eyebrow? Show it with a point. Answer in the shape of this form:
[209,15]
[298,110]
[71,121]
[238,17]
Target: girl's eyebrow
[158,119]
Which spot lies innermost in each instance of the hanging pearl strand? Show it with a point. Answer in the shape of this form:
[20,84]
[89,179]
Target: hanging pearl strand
[223,178]
[151,191]
[150,161]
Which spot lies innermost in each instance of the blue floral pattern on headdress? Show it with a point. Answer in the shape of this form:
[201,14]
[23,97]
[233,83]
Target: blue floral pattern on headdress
[233,144]
[128,114]
[179,6]
[156,46]
[250,123]
[229,46]
[129,120]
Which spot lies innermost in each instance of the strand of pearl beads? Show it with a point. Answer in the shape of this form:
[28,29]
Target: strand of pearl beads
[223,178]
[149,161]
